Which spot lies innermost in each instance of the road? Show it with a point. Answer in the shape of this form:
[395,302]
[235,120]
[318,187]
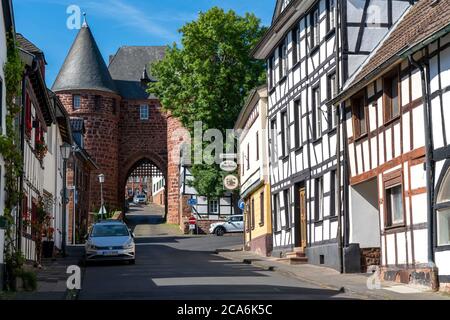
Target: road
[174,266]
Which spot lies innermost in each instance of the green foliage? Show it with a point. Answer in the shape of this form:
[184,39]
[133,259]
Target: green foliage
[29,280]
[208,78]
[9,146]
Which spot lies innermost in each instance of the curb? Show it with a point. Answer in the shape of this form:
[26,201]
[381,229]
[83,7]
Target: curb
[260,264]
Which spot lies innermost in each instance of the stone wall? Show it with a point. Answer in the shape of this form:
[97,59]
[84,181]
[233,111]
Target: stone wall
[101,140]
[174,140]
[141,139]
[370,257]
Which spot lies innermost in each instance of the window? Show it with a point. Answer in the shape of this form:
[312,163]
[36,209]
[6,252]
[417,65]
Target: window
[287,205]
[331,6]
[297,122]
[359,116]
[213,206]
[272,72]
[24,213]
[394,206]
[315,35]
[318,199]
[50,139]
[76,102]
[144,112]
[28,120]
[114,106]
[274,142]
[332,116]
[261,209]
[242,163]
[97,103]
[284,138]
[391,100]
[276,213]
[253,214]
[333,189]
[443,212]
[248,156]
[257,145]
[295,45]
[317,114]
[282,56]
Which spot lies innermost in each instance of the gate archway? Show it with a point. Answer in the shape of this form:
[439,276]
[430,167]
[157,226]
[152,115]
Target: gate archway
[143,164]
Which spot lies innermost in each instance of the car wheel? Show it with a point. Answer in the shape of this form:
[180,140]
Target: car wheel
[220,231]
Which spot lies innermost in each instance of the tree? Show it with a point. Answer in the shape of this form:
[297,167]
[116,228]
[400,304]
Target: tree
[208,78]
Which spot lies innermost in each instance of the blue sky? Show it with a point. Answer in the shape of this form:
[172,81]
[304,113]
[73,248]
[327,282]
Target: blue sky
[117,22]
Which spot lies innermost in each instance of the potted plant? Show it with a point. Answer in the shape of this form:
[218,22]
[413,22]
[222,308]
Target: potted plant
[48,244]
[41,149]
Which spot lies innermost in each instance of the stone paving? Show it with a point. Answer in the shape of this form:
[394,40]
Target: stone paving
[331,279]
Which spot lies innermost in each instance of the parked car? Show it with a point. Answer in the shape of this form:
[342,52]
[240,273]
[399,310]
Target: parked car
[234,223]
[140,199]
[110,240]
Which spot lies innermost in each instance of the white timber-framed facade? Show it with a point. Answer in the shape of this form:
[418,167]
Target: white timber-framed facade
[311,48]
[399,158]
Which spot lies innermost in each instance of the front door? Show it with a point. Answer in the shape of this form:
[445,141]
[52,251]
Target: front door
[302,213]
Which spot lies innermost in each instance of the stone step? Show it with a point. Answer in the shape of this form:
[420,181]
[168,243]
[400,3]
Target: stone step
[295,254]
[299,249]
[296,260]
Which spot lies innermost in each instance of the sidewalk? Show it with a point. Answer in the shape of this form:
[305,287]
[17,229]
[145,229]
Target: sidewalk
[355,284]
[52,278]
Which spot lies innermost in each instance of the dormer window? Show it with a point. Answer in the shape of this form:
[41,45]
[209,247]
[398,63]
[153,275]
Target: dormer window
[76,102]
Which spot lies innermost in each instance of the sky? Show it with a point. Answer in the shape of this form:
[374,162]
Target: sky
[116,23]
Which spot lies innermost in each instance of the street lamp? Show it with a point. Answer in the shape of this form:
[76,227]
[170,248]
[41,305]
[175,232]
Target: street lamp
[66,149]
[101,179]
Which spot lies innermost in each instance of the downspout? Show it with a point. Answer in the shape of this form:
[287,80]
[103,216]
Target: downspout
[338,139]
[428,158]
[22,151]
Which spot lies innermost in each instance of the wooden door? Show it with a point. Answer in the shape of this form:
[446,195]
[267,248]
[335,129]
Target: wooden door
[302,207]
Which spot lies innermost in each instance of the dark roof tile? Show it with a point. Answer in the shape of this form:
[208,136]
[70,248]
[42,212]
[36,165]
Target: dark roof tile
[84,67]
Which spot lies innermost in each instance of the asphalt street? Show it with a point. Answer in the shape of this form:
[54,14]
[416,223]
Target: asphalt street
[174,266]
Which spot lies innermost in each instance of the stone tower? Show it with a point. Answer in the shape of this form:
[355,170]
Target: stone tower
[86,89]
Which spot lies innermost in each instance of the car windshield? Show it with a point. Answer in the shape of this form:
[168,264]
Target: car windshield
[110,231]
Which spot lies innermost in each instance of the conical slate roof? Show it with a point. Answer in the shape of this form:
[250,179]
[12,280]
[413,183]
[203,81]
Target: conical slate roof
[84,67]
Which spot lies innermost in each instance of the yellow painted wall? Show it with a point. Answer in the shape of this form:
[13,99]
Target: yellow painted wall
[267,227]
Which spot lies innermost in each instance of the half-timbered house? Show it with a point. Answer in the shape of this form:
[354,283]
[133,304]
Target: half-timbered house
[311,48]
[254,172]
[397,131]
[205,209]
[6,26]
[38,115]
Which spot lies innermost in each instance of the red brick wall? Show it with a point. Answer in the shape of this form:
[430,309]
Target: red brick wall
[172,182]
[141,139]
[117,141]
[83,188]
[101,141]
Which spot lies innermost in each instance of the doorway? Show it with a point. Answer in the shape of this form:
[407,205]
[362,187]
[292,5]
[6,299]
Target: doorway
[300,216]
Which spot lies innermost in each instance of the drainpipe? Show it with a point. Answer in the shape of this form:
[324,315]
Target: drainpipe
[338,138]
[428,158]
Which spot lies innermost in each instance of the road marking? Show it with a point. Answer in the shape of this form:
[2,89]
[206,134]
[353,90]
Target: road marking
[219,281]
[403,289]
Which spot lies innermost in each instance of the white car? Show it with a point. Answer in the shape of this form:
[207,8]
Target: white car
[110,240]
[234,223]
[140,199]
